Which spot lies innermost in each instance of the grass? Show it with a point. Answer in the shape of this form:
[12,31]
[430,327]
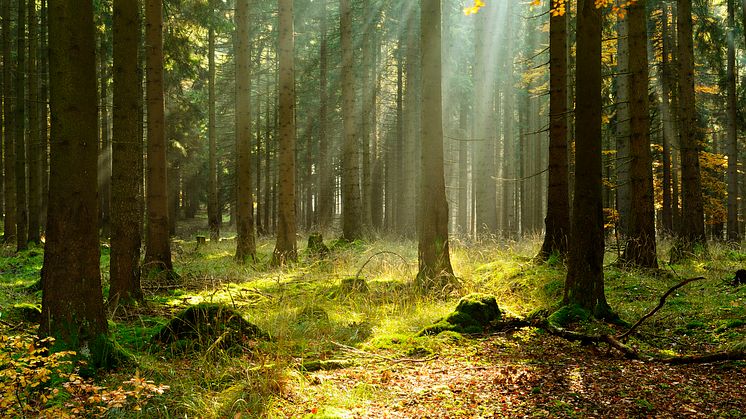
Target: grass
[310,318]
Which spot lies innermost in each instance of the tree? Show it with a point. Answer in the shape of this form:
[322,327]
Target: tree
[285,246]
[640,249]
[126,179]
[33,148]
[434,258]
[9,150]
[734,233]
[72,301]
[352,205]
[245,245]
[326,183]
[557,220]
[212,192]
[20,128]
[692,228]
[158,246]
[584,284]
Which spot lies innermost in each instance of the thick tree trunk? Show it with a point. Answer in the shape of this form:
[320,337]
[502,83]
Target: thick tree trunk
[158,245]
[557,220]
[9,150]
[213,222]
[734,233]
[351,207]
[434,258]
[20,130]
[246,243]
[72,302]
[584,285]
[34,146]
[285,247]
[126,197]
[640,249]
[692,230]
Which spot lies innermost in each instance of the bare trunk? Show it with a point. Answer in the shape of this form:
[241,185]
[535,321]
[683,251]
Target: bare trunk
[34,146]
[20,129]
[734,233]
[212,188]
[9,233]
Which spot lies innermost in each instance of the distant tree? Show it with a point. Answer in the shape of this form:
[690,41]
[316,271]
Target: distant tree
[584,285]
[557,220]
[692,228]
[434,257]
[212,188]
[20,129]
[72,301]
[158,245]
[9,150]
[126,179]
[352,206]
[245,245]
[640,249]
[286,246]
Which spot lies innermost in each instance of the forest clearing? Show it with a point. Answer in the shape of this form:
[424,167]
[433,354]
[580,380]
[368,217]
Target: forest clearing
[374,364]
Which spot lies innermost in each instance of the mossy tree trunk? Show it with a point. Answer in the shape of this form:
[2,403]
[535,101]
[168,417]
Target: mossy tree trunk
[158,245]
[72,301]
[246,243]
[126,197]
[286,246]
[434,257]
[584,284]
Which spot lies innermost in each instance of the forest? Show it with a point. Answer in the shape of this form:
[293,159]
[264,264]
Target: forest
[372,208]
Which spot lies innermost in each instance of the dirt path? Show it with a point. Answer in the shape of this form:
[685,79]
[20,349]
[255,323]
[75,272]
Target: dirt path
[526,375]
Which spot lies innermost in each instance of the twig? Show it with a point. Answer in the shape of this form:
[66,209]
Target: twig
[384,252]
[660,305]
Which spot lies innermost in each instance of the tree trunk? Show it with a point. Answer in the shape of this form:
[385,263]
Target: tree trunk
[692,230]
[34,146]
[72,302]
[434,259]
[557,220]
[584,285]
[640,249]
[212,192]
[352,210]
[158,245]
[126,198]
[285,247]
[20,129]
[267,221]
[9,233]
[669,133]
[734,233]
[246,243]
[44,116]
[105,151]
[463,174]
[326,181]
[623,127]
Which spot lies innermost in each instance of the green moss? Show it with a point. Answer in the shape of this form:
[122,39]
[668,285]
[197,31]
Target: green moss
[474,313]
[569,314]
[26,312]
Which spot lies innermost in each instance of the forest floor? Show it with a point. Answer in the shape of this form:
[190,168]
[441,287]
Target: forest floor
[386,369]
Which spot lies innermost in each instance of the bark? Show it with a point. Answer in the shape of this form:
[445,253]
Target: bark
[734,233]
[44,116]
[623,127]
[286,246]
[640,249]
[584,285]
[127,138]
[246,243]
[692,229]
[368,115]
[212,193]
[20,130]
[9,150]
[669,124]
[266,221]
[34,146]
[72,302]
[105,152]
[463,166]
[557,220]
[434,258]
[158,246]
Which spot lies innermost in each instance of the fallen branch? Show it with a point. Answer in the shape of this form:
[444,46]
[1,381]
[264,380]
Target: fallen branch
[660,305]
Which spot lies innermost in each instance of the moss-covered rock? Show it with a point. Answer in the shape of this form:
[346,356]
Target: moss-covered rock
[474,313]
[316,246]
[569,314]
[26,312]
[205,325]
